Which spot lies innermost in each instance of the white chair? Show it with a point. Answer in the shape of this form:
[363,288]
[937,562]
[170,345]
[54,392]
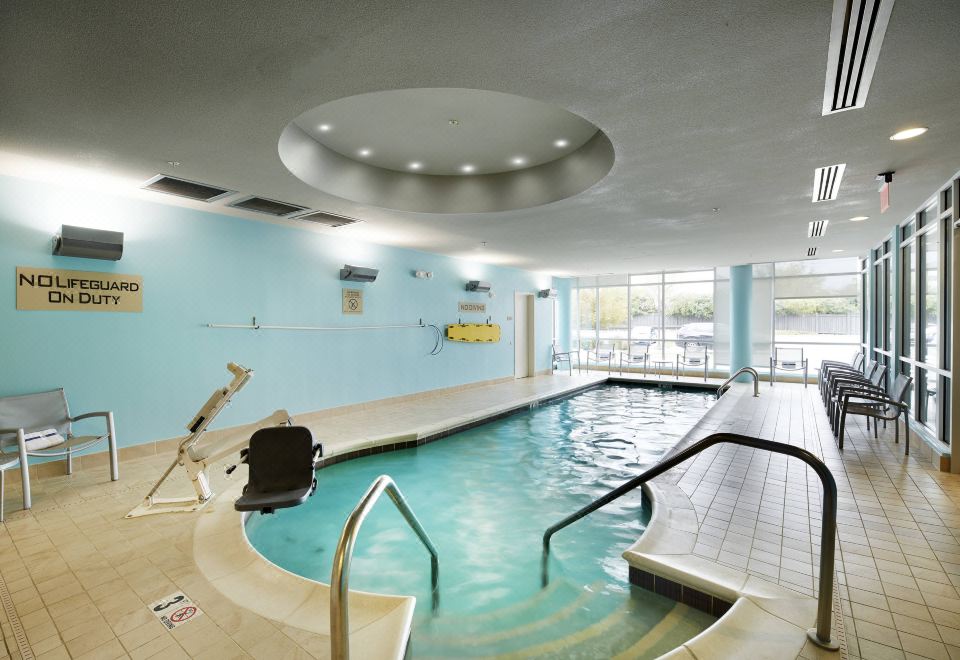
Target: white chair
[564,356]
[602,353]
[694,355]
[27,413]
[787,359]
[637,353]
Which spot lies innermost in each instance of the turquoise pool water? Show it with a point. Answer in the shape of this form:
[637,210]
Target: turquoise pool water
[485,496]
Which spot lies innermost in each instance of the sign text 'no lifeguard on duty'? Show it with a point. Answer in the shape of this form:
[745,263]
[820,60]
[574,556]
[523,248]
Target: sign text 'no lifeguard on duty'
[49,289]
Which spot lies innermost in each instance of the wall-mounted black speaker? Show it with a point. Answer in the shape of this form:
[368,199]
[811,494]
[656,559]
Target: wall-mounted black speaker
[88,243]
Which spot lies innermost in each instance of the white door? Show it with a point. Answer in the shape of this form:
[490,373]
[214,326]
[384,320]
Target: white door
[523,351]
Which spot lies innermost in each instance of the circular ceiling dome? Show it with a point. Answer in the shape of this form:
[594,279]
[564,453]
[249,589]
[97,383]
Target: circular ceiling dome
[445,150]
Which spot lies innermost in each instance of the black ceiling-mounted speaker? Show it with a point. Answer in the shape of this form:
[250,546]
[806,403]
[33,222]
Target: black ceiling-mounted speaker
[88,243]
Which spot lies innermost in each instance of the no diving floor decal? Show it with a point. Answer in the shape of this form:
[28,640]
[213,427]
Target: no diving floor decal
[175,610]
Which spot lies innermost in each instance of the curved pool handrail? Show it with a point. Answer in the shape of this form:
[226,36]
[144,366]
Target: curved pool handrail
[742,370]
[828,533]
[340,575]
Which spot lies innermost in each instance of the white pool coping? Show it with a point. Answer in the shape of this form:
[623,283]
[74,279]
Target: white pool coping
[766,620]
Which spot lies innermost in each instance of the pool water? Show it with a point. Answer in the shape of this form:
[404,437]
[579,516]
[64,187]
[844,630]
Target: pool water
[485,497]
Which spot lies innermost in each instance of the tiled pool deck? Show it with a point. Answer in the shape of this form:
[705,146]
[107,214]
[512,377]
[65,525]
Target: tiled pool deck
[80,575]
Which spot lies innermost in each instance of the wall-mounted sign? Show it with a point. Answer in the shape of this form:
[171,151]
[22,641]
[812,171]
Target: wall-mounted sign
[78,290]
[473,307]
[352,301]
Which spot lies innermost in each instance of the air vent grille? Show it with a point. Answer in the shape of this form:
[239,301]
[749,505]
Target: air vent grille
[826,182]
[812,252]
[855,38]
[331,220]
[817,228]
[267,206]
[184,188]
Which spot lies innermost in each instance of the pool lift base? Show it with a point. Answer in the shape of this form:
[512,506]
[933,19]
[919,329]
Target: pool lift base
[196,458]
[830,645]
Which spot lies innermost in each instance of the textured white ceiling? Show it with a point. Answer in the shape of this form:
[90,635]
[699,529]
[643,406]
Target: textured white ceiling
[708,104]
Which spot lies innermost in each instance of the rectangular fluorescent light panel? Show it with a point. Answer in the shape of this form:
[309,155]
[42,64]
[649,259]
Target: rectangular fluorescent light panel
[856,35]
[826,182]
[817,228]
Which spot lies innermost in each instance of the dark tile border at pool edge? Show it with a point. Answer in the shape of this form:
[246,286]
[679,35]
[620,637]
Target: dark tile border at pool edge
[410,444]
[681,593]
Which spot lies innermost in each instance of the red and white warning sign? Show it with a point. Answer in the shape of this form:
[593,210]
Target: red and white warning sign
[175,610]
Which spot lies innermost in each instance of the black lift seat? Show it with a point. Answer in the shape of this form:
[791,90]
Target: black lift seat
[282,460]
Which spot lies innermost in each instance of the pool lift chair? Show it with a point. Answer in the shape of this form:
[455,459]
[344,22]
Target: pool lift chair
[787,359]
[283,462]
[694,355]
[878,404]
[196,456]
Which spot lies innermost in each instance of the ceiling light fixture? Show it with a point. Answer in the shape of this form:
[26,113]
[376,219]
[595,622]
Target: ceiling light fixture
[415,165]
[173,163]
[518,160]
[561,143]
[323,128]
[908,133]
[453,122]
[364,153]
[838,250]
[859,218]
[467,169]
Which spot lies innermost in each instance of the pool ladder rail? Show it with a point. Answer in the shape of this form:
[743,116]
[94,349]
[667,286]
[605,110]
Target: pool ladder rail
[742,370]
[828,533]
[340,575]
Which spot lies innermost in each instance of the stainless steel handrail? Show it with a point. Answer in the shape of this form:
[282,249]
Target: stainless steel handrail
[828,533]
[339,615]
[742,370]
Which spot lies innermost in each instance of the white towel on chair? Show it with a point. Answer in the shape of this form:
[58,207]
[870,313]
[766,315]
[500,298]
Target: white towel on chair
[42,439]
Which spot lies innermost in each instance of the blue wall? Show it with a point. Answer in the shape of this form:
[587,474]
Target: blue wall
[154,369]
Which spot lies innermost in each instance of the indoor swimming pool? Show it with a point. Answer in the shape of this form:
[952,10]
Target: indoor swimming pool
[485,497]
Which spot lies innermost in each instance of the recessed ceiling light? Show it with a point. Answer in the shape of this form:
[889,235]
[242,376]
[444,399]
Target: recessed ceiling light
[467,169]
[415,165]
[859,218]
[518,160]
[453,122]
[908,133]
[561,143]
[364,153]
[838,250]
[173,163]
[323,128]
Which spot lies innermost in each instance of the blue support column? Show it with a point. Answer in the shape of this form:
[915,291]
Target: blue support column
[741,297]
[564,287]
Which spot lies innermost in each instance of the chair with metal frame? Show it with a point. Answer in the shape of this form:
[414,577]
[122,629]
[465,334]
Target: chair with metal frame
[826,366]
[879,405]
[785,359]
[559,356]
[832,373]
[841,385]
[637,352]
[694,355]
[27,414]
[602,352]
